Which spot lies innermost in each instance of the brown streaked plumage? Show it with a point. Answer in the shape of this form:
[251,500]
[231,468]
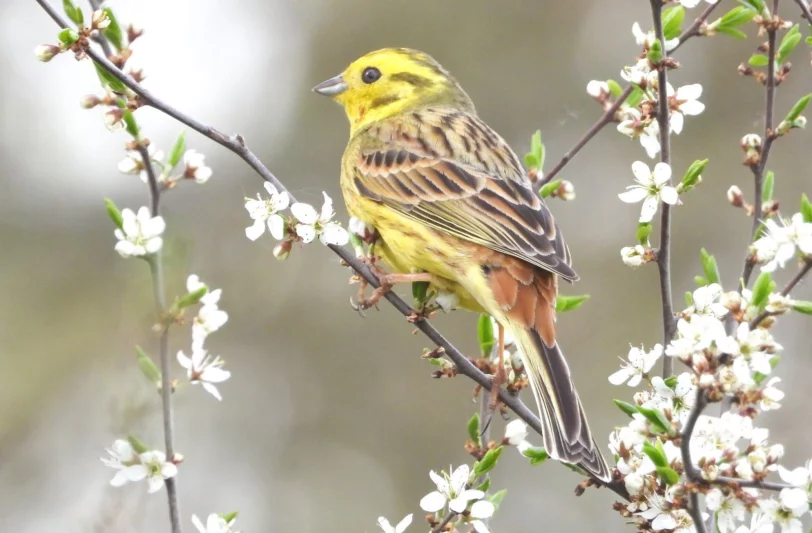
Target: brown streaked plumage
[450,198]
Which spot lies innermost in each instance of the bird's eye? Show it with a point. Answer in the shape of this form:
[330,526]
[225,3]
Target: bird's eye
[371,75]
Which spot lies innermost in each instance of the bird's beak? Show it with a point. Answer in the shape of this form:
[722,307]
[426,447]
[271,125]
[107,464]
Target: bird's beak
[332,87]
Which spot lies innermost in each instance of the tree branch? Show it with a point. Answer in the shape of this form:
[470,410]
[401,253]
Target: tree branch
[236,144]
[664,251]
[769,137]
[805,10]
[695,28]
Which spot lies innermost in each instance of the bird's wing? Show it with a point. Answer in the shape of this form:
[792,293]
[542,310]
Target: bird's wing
[451,177]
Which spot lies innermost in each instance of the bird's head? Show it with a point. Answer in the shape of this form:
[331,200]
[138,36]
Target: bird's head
[391,81]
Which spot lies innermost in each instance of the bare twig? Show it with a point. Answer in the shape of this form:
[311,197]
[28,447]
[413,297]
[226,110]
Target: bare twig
[695,28]
[785,291]
[448,518]
[158,287]
[769,137]
[664,251]
[607,117]
[236,144]
[805,10]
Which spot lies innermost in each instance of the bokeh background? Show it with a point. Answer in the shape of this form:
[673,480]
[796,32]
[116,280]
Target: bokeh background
[330,420]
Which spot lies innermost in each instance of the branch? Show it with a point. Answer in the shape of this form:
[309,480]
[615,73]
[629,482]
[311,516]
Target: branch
[664,251]
[607,117]
[805,10]
[769,137]
[157,271]
[449,517]
[695,29]
[236,144]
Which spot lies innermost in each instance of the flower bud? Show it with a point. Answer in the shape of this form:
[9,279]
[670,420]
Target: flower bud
[566,191]
[113,119]
[735,196]
[46,52]
[597,89]
[89,101]
[282,250]
[100,20]
[751,140]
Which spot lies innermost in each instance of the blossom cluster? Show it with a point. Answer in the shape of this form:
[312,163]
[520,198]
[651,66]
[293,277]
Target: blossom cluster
[305,224]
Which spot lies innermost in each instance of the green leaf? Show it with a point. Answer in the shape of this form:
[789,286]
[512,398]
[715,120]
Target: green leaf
[484,330]
[548,188]
[488,461]
[192,298]
[535,157]
[420,291]
[568,303]
[229,517]
[737,16]
[656,418]
[635,97]
[806,208]
[114,213]
[692,175]
[643,231]
[137,445]
[758,5]
[670,382]
[108,80]
[689,299]
[536,454]
[798,108]
[497,498]
[655,52]
[614,88]
[113,31]
[147,366]
[768,187]
[130,124]
[655,454]
[700,281]
[758,60]
[627,408]
[762,288]
[802,307]
[672,20]
[473,428]
[67,36]
[177,151]
[732,32]
[710,267]
[485,485]
[668,475]
[788,44]
[74,13]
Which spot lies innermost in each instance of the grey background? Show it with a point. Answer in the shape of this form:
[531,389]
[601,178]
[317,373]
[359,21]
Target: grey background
[329,419]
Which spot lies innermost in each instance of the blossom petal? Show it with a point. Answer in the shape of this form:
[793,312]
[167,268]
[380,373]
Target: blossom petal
[276,225]
[304,213]
[661,174]
[334,234]
[211,389]
[432,502]
[621,376]
[649,209]
[482,509]
[641,173]
[633,195]
[306,232]
[677,121]
[669,195]
[692,107]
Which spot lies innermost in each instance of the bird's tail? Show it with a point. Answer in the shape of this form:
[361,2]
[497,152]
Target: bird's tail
[565,430]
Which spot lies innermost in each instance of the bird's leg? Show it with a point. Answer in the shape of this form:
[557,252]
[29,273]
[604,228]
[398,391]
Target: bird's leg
[499,377]
[387,282]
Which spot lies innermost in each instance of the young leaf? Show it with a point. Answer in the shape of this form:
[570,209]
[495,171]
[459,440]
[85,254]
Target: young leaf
[732,32]
[177,151]
[672,20]
[74,13]
[129,123]
[113,31]
[737,16]
[710,267]
[758,60]
[762,288]
[788,44]
[108,80]
[798,108]
[488,461]
[568,303]
[114,213]
[627,408]
[689,299]
[802,307]
[758,5]
[67,36]
[655,53]
[670,382]
[548,188]
[614,88]
[768,187]
[420,291]
[692,175]
[147,366]
[497,498]
[535,157]
[806,208]
[192,298]
[536,454]
[229,517]
[473,428]
[654,453]
[137,445]
[668,475]
[643,231]
[485,485]
[484,331]
[700,281]
[656,418]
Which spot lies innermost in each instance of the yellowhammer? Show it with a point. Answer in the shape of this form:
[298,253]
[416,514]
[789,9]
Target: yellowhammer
[454,206]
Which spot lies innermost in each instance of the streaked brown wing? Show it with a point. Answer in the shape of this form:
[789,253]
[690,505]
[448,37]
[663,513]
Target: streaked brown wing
[473,204]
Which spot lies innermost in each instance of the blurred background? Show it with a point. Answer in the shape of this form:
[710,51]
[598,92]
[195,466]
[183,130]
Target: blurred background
[329,420]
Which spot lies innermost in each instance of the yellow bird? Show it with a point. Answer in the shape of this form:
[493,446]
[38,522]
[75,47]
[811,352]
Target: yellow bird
[454,206]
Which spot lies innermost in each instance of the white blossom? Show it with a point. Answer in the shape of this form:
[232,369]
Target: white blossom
[633,256]
[204,369]
[647,132]
[683,101]
[313,224]
[705,301]
[516,434]
[132,467]
[209,319]
[756,346]
[771,396]
[193,284]
[791,505]
[134,163]
[800,477]
[651,187]
[759,523]
[640,362]
[196,168]
[122,458]
[452,490]
[646,39]
[139,234]
[728,509]
[266,212]
[695,334]
[214,524]
[386,527]
[481,510]
[597,89]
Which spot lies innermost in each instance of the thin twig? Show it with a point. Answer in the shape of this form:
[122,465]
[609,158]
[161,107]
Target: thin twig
[449,517]
[785,291]
[805,10]
[664,251]
[607,117]
[767,142]
[695,28]
[158,287]
[236,144]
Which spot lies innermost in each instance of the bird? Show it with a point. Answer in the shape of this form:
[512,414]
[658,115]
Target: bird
[452,205]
